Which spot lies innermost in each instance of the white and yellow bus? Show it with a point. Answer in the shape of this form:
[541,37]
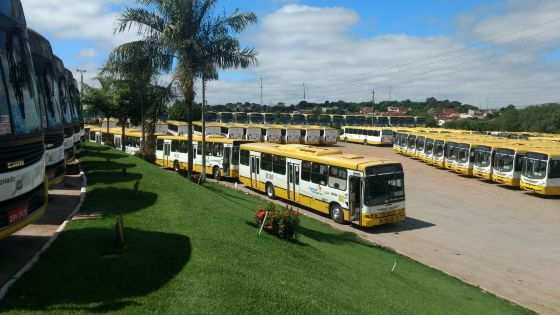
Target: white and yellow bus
[541,171]
[222,154]
[367,135]
[483,158]
[362,190]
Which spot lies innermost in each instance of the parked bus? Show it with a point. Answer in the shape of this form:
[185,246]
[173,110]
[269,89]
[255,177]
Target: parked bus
[357,120]
[284,119]
[541,171]
[382,121]
[178,128]
[241,118]
[256,118]
[222,154]
[74,103]
[367,135]
[61,96]
[325,120]
[23,184]
[360,190]
[212,128]
[483,156]
[225,117]
[298,119]
[312,119]
[41,52]
[211,116]
[508,164]
[329,136]
[338,121]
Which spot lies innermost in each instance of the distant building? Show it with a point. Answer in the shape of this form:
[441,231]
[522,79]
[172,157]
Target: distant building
[399,110]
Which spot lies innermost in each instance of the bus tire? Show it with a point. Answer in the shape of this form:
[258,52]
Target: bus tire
[336,213]
[270,191]
[176,166]
[216,173]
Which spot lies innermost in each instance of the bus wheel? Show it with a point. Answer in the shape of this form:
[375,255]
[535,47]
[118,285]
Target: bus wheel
[270,190]
[176,166]
[336,213]
[216,173]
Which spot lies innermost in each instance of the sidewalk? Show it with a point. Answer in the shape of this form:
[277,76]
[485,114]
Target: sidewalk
[17,250]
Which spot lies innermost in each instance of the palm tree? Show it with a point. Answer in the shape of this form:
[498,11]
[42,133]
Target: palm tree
[187,37]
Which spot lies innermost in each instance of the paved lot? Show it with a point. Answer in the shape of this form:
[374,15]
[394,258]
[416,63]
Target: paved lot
[502,240]
[506,241]
[18,249]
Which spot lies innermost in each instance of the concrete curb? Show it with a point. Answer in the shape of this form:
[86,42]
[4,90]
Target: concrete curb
[47,245]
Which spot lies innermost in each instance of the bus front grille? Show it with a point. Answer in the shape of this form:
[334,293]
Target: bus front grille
[54,140]
[32,201]
[15,157]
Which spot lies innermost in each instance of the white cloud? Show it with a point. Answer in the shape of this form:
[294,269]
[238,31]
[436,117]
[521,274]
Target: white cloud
[299,44]
[528,25]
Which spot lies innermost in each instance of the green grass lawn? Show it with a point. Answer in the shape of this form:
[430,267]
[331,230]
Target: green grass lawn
[194,249]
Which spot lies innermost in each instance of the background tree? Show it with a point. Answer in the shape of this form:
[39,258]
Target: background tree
[175,31]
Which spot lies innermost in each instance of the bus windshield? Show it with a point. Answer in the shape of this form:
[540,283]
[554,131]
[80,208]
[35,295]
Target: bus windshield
[20,111]
[298,119]
[411,142]
[535,165]
[439,148]
[482,156]
[256,118]
[429,146]
[226,117]
[420,144]
[462,152]
[284,119]
[504,160]
[241,118]
[383,184]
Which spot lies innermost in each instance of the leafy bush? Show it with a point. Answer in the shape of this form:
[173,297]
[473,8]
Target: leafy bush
[280,221]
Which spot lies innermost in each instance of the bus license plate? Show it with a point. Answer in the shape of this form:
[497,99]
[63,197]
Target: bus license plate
[16,215]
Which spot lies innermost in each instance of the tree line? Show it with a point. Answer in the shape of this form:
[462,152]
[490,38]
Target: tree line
[537,118]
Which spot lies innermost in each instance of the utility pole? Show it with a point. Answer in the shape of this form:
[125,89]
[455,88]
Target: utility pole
[372,104]
[390,92]
[304,92]
[261,92]
[81,71]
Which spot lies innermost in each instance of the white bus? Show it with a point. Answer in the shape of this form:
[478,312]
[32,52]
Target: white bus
[362,190]
[23,184]
[222,154]
[367,135]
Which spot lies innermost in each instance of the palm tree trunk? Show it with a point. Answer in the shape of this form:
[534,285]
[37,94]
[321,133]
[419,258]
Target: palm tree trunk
[203,109]
[188,92]
[123,137]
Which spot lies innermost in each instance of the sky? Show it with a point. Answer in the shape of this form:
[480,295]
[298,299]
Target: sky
[486,53]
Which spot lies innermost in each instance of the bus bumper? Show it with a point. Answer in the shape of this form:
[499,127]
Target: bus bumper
[541,190]
[464,170]
[55,173]
[508,181]
[39,195]
[482,175]
[375,219]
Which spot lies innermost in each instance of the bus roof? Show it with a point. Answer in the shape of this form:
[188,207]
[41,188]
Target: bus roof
[327,156]
[552,152]
[198,138]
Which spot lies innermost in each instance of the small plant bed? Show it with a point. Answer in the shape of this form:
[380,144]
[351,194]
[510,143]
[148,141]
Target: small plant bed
[280,221]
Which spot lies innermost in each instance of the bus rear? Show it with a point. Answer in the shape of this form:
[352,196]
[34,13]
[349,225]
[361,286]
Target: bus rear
[23,185]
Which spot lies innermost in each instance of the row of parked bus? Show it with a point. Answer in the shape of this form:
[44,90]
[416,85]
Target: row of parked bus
[364,191]
[40,119]
[531,164]
[330,120]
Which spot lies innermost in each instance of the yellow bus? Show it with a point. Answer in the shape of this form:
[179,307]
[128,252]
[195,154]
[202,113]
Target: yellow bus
[483,156]
[361,190]
[541,171]
[222,154]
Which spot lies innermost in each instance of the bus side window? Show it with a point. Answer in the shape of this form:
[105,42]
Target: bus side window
[160,144]
[279,164]
[554,169]
[266,162]
[306,171]
[319,174]
[244,157]
[338,178]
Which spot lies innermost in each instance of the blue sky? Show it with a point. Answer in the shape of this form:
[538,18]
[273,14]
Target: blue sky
[496,52]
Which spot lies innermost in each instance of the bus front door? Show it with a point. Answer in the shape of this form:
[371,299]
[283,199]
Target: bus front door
[255,167]
[293,181]
[166,154]
[355,200]
[226,165]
